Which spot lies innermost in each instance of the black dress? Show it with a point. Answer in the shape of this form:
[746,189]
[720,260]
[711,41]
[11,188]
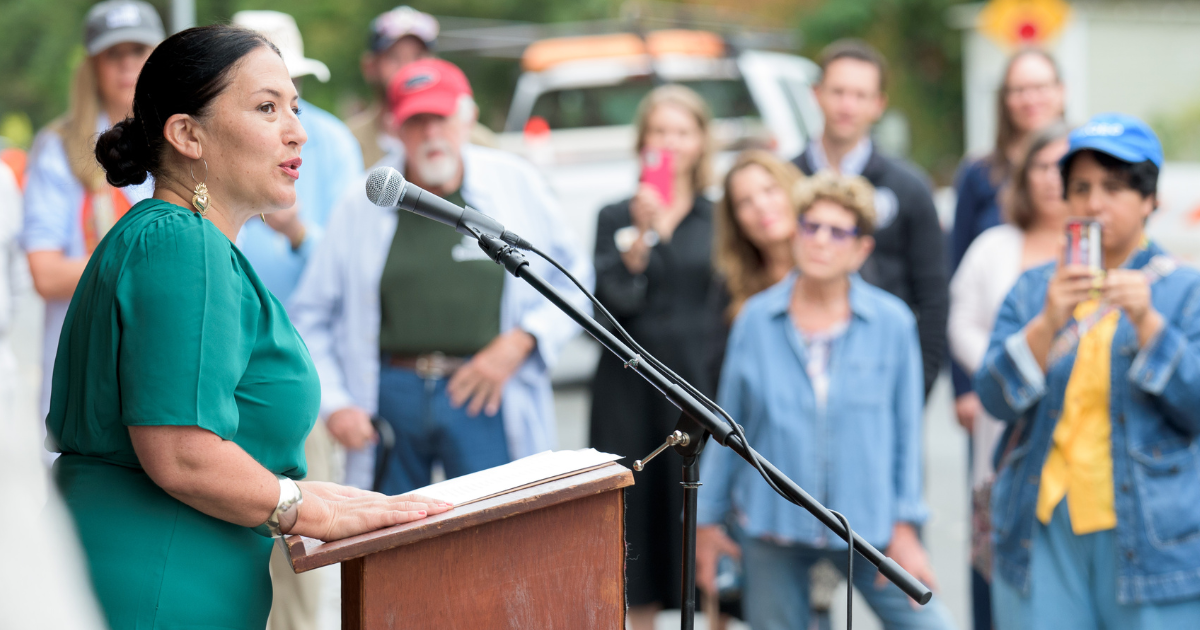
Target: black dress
[669,310]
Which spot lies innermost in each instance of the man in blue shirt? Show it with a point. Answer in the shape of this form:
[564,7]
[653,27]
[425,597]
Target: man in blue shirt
[278,247]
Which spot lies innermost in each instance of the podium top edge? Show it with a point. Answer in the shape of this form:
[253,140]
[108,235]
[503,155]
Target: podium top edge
[306,554]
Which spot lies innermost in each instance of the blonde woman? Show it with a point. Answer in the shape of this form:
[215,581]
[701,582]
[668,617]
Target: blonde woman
[654,272]
[68,205]
[824,372]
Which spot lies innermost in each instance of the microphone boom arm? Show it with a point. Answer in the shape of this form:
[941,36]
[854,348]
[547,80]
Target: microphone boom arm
[516,264]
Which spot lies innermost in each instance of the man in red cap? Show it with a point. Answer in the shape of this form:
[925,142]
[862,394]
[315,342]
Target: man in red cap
[408,319]
[432,110]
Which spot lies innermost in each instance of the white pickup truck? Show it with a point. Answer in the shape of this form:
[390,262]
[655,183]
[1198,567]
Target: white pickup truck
[573,109]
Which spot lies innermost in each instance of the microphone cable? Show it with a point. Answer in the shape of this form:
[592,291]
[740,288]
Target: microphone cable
[672,376]
[715,408]
[849,568]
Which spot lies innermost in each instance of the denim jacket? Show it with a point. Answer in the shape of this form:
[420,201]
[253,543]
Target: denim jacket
[1155,412]
[860,455]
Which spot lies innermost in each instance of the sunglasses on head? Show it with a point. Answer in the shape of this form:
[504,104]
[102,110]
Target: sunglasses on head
[839,234]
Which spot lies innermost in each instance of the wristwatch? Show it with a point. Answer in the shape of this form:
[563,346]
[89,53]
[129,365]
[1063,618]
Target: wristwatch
[286,511]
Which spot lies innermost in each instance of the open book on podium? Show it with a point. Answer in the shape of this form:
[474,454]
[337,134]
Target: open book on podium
[535,543]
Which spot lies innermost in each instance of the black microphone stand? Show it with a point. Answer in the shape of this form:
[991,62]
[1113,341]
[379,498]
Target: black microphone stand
[696,423]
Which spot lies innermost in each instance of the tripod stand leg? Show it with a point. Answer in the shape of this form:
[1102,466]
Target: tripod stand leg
[688,440]
[691,487]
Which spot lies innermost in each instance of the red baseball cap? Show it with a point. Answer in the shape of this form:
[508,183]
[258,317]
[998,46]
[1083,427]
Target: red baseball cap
[427,86]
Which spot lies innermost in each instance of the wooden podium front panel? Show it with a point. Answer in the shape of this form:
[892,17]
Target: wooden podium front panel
[558,567]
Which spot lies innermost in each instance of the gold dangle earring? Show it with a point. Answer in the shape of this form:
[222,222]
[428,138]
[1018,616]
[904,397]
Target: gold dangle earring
[200,194]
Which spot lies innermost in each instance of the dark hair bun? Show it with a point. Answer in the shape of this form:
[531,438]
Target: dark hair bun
[124,153]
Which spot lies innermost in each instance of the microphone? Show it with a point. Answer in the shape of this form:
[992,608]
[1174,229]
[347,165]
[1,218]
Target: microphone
[386,187]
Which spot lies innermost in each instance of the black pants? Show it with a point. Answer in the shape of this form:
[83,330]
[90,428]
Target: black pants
[630,418]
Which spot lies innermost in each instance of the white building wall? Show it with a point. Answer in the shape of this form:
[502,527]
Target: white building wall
[1141,58]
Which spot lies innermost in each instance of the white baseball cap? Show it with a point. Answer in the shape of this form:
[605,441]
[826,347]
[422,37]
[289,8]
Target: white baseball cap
[403,21]
[281,29]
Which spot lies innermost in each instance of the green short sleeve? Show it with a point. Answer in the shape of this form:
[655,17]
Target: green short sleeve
[186,329]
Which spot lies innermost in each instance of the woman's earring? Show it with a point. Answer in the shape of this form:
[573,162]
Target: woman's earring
[200,194]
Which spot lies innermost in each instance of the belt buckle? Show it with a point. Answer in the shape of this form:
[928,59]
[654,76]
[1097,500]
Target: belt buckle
[432,365]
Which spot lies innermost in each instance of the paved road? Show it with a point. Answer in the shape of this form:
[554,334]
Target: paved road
[27,344]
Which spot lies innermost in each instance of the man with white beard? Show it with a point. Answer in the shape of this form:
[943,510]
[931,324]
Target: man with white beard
[407,319]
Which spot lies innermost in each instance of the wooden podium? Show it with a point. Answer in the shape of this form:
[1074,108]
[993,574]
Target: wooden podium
[547,556]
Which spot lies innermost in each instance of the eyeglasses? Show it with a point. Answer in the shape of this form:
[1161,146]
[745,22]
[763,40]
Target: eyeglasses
[1041,168]
[837,234]
[1034,88]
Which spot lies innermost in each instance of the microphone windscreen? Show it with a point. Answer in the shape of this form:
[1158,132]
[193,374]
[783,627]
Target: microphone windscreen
[385,186]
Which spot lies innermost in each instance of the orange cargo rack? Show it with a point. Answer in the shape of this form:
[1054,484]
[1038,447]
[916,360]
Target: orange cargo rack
[547,53]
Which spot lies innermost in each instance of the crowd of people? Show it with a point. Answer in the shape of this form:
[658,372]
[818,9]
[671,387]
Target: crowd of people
[230,324]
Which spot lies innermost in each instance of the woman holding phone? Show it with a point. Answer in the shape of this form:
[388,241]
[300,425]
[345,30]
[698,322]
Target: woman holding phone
[1096,373]
[654,272]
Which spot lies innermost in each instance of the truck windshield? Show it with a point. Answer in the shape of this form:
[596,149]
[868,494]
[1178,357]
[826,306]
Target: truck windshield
[616,104]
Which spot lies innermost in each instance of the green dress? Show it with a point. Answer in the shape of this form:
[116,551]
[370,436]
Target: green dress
[170,326]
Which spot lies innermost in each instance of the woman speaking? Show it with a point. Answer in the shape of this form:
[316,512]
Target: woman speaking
[181,393]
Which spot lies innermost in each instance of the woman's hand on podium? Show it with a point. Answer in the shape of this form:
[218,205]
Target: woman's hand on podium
[332,512]
[711,544]
[218,478]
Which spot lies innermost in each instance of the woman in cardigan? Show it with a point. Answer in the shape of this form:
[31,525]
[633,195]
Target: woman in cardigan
[1036,214]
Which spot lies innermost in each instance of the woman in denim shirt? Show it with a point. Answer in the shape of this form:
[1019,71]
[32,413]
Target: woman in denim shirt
[1096,508]
[824,371]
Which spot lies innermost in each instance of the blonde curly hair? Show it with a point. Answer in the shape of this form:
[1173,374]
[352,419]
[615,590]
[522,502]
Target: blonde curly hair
[854,193]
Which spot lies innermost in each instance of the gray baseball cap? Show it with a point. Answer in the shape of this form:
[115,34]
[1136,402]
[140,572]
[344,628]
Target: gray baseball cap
[120,21]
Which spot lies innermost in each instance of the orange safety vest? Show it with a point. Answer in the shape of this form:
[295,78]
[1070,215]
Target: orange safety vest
[101,210]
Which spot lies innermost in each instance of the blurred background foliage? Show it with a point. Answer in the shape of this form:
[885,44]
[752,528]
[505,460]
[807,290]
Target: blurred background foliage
[42,43]
[1179,131]
[925,66]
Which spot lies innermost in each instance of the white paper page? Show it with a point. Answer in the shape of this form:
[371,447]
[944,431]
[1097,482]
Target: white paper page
[523,472]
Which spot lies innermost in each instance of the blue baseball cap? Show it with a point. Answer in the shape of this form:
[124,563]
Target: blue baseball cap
[1120,135]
